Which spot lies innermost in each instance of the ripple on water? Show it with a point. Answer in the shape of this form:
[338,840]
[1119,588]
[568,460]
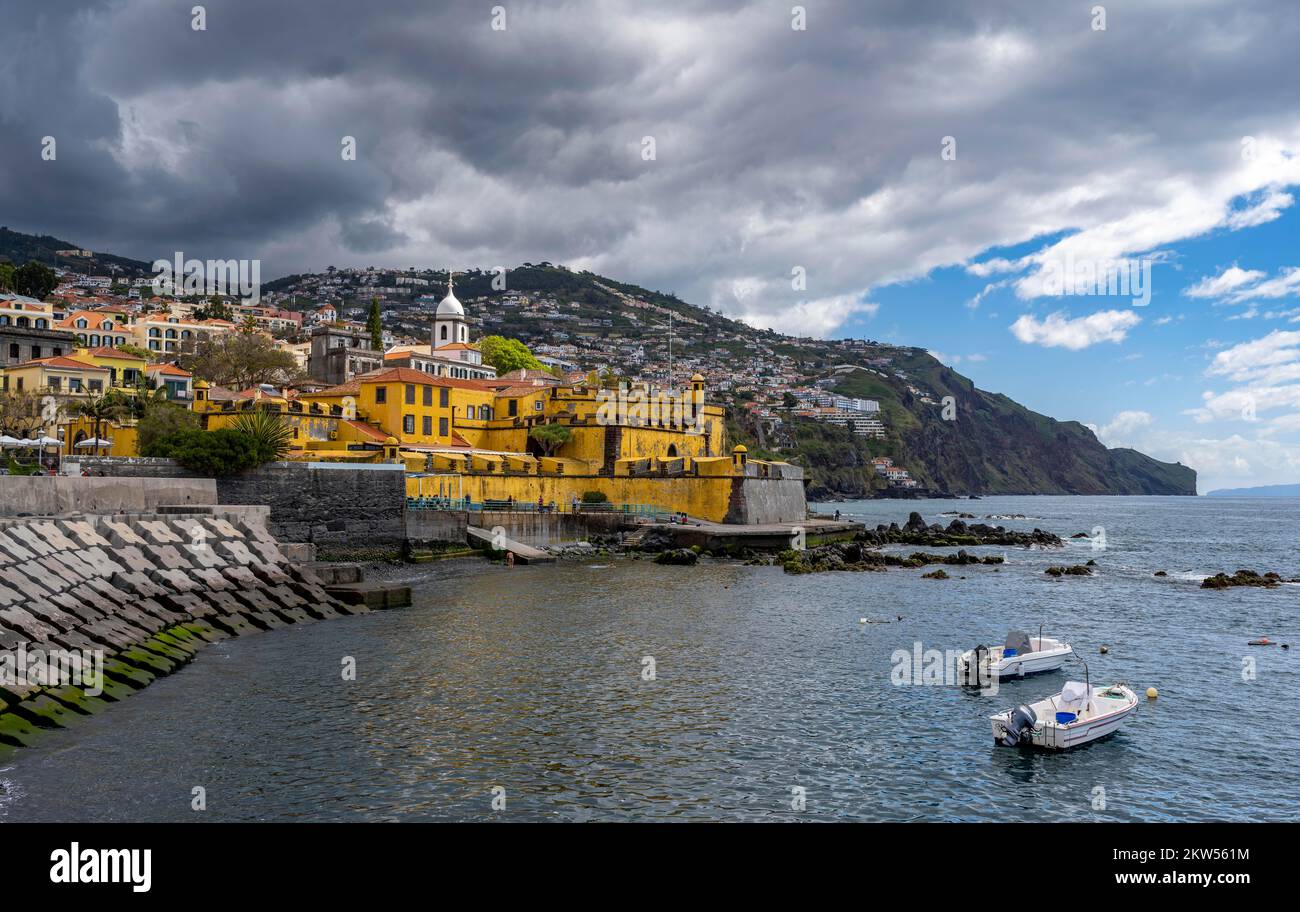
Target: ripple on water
[530,679]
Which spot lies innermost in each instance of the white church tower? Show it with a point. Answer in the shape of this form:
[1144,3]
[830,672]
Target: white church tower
[449,326]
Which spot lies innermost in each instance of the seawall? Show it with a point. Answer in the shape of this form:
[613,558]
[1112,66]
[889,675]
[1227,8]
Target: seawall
[45,495]
[138,594]
[338,507]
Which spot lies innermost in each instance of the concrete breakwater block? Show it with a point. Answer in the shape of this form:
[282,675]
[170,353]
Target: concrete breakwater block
[136,596]
[371,595]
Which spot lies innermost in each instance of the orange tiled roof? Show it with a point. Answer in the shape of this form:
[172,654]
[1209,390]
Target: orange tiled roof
[169,369]
[104,351]
[372,433]
[63,363]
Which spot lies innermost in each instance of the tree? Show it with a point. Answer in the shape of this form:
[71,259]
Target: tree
[375,324]
[102,410]
[241,359]
[6,276]
[215,309]
[36,280]
[137,351]
[22,413]
[508,354]
[163,419]
[551,437]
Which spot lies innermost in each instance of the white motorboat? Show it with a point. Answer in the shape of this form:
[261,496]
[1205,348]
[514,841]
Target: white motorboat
[1080,713]
[1021,655]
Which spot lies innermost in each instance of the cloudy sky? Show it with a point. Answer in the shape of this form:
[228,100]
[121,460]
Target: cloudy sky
[931,167]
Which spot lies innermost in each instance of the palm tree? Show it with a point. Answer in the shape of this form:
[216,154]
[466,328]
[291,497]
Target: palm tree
[271,435]
[100,409]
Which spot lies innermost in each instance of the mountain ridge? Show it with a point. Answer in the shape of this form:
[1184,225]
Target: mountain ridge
[989,444]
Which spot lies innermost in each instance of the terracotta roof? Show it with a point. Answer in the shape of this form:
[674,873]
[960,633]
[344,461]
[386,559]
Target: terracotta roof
[351,388]
[104,351]
[366,429]
[456,346]
[63,363]
[408,375]
[529,373]
[170,369]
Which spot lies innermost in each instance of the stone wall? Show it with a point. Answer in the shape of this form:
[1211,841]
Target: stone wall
[45,495]
[123,599]
[767,500]
[334,505]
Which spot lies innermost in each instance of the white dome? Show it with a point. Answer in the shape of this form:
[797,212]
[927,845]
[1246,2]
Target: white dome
[450,307]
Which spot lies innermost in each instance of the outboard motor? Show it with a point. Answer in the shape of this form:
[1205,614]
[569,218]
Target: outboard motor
[973,671]
[1020,727]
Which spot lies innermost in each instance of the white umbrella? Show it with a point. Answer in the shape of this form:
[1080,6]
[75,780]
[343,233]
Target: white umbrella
[93,442]
[26,443]
[6,440]
[49,441]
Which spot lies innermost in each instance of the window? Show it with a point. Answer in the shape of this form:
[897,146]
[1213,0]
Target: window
[512,408]
[427,426]
[81,323]
[96,386]
[13,351]
[381,395]
[410,394]
[74,384]
[537,405]
[442,424]
[443,397]
[55,383]
[428,397]
[408,424]
[36,352]
[443,335]
[56,351]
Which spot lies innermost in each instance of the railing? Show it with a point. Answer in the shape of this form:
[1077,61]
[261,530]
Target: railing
[647,511]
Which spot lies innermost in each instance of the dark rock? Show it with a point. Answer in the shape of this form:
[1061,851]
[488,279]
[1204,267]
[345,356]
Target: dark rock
[1242,578]
[682,556]
[1076,570]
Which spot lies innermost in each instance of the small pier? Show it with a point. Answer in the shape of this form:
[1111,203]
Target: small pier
[523,553]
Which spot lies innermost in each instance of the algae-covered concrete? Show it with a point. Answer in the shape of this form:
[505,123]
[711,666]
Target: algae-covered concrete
[122,599]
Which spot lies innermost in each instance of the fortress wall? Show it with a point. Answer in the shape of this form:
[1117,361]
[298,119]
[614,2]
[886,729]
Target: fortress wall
[767,500]
[137,595]
[334,505]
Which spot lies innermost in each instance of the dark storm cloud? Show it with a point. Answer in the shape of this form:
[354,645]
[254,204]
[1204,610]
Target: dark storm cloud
[775,147]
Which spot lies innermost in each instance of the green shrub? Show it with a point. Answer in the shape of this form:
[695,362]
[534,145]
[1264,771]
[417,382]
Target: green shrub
[593,497]
[220,452]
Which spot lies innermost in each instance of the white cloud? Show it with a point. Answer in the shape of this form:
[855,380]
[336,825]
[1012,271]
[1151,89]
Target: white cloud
[1118,432]
[1059,331]
[818,318]
[1230,279]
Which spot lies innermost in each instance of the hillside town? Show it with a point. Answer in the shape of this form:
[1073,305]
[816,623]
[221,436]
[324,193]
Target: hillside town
[94,334]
